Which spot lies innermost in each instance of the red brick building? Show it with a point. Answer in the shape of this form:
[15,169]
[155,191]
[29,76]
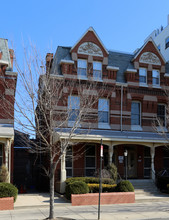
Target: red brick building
[8,80]
[137,84]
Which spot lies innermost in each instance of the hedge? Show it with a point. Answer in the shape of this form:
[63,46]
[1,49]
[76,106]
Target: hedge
[76,187]
[125,186]
[8,190]
[94,188]
[90,180]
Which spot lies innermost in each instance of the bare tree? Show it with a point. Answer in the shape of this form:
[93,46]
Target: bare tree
[46,104]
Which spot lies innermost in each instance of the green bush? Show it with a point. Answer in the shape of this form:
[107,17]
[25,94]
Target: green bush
[94,188]
[113,171]
[124,186]
[90,180]
[8,190]
[76,187]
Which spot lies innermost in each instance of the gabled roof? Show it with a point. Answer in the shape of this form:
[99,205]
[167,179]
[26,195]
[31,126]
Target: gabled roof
[90,29]
[149,40]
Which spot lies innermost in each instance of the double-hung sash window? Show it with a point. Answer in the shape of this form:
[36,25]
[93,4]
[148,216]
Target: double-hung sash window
[142,75]
[156,77]
[161,114]
[73,108]
[103,111]
[97,70]
[82,69]
[135,114]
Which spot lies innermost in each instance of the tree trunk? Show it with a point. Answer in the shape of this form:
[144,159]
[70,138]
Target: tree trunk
[51,211]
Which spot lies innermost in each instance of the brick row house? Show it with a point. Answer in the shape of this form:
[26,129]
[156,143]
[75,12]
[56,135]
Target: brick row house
[136,97]
[8,79]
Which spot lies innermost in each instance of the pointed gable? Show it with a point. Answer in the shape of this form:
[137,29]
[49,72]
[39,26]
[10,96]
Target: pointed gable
[90,44]
[149,54]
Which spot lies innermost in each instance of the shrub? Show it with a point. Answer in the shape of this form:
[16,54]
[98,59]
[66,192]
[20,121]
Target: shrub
[162,182]
[113,171]
[125,186]
[94,188]
[77,187]
[90,180]
[4,174]
[8,190]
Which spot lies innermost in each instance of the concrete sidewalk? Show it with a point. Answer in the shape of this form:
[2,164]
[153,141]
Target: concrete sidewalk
[38,200]
[136,211]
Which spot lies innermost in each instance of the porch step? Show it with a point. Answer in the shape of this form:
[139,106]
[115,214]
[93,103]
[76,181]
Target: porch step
[146,191]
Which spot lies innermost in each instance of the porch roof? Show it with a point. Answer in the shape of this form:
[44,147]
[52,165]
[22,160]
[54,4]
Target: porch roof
[110,135]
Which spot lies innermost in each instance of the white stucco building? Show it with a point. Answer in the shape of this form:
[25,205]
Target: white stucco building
[161,38]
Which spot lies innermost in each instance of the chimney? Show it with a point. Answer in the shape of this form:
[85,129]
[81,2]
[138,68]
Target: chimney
[49,60]
[11,52]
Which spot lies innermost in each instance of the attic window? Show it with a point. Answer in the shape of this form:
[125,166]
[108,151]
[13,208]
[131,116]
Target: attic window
[142,75]
[82,69]
[97,70]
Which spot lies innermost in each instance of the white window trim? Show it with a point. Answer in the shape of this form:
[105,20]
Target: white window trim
[156,85]
[141,83]
[91,156]
[137,127]
[101,79]
[81,76]
[1,145]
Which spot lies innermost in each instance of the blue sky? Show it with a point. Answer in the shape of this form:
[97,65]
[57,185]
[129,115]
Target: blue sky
[122,25]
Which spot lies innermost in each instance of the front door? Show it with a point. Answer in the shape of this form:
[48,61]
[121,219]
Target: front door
[132,163]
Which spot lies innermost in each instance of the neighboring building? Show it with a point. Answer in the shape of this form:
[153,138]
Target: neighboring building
[161,38]
[136,83]
[8,80]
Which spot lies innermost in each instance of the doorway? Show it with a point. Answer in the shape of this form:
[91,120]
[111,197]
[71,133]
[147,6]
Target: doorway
[131,162]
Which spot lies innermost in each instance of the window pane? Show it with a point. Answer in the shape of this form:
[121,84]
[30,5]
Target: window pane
[90,172]
[90,161]
[103,105]
[90,150]
[103,117]
[156,76]
[74,102]
[73,114]
[69,172]
[97,66]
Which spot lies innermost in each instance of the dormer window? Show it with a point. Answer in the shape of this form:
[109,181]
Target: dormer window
[97,70]
[143,76]
[82,69]
[156,77]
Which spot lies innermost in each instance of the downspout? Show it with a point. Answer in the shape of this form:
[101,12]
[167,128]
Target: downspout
[121,117]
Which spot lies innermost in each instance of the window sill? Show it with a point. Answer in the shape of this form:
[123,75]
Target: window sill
[83,77]
[98,80]
[161,129]
[71,124]
[136,128]
[104,126]
[156,86]
[143,85]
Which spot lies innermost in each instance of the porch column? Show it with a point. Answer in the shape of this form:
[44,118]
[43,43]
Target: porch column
[111,151]
[63,173]
[7,159]
[152,152]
